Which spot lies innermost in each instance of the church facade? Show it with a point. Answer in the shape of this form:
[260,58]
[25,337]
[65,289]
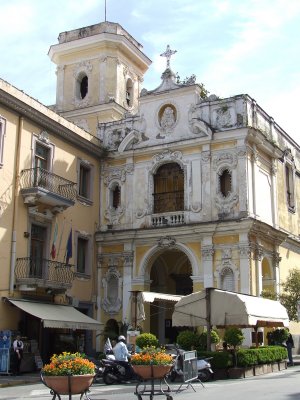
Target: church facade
[189,190]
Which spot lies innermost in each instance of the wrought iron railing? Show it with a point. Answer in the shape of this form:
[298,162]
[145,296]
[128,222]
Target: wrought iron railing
[40,270]
[39,177]
[168,201]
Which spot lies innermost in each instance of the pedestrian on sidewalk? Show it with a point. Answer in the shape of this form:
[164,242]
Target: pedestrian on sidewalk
[18,347]
[290,345]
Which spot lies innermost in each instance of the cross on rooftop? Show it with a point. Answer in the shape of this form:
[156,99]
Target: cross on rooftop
[168,54]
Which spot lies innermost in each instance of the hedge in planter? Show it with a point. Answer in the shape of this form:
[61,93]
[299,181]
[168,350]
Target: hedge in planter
[220,359]
[263,355]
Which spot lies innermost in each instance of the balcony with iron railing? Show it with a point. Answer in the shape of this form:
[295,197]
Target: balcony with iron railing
[41,185]
[43,273]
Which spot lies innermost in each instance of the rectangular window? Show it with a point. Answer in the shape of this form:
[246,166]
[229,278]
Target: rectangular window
[2,134]
[289,180]
[85,178]
[84,254]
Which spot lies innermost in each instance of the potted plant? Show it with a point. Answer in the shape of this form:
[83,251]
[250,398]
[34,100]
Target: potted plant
[68,373]
[152,363]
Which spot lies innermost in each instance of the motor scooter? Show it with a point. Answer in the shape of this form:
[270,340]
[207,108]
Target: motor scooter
[115,372]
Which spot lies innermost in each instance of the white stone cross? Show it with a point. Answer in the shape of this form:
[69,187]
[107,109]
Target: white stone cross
[168,54]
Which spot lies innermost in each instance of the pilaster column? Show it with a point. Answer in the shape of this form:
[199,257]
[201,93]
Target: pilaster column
[245,257]
[276,262]
[207,251]
[274,194]
[127,272]
[60,73]
[206,186]
[258,256]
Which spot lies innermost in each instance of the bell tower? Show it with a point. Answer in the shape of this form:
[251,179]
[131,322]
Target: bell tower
[99,73]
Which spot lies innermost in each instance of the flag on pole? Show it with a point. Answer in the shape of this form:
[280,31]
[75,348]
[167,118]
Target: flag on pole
[53,247]
[69,248]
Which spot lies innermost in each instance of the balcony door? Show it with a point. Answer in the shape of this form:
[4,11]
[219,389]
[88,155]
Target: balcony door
[41,164]
[169,188]
[37,250]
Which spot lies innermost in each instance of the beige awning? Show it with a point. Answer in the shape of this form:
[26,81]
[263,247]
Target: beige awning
[150,297]
[57,316]
[228,308]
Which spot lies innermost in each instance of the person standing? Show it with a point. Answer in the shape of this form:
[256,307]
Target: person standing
[290,345]
[18,347]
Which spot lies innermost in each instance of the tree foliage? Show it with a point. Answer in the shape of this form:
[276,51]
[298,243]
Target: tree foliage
[234,336]
[291,294]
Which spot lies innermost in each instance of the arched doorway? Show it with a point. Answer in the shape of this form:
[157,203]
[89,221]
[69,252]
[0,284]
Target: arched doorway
[170,273]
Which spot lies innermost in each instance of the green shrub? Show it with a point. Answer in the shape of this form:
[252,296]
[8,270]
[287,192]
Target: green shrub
[277,337]
[187,340]
[220,359]
[233,336]
[146,340]
[246,357]
[202,343]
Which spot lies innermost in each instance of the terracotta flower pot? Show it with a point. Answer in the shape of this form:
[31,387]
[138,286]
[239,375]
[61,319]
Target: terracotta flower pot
[151,371]
[60,384]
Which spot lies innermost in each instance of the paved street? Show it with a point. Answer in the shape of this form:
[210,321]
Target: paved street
[283,385]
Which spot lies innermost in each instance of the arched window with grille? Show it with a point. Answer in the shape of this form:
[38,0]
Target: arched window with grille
[169,188]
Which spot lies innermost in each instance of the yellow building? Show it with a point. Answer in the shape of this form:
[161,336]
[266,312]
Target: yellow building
[193,191]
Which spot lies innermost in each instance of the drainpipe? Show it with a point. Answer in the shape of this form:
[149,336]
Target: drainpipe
[16,179]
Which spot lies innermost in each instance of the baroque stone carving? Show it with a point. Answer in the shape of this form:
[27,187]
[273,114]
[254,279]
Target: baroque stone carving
[112,284]
[207,253]
[167,120]
[226,204]
[118,174]
[166,241]
[167,155]
[198,126]
[113,215]
[224,117]
[44,137]
[224,159]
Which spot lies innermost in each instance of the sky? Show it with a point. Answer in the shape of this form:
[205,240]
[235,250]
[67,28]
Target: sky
[232,46]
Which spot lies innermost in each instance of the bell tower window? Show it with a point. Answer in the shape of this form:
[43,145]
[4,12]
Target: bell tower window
[82,86]
[129,92]
[225,183]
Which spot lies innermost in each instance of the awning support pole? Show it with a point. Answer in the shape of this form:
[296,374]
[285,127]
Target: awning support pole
[208,317]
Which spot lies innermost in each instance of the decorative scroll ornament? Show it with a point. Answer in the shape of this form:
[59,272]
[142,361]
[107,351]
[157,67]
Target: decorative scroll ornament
[166,241]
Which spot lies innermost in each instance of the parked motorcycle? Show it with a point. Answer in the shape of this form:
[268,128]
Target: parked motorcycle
[115,372]
[205,373]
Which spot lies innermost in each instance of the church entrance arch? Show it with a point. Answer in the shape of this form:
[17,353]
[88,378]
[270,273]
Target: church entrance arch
[169,270]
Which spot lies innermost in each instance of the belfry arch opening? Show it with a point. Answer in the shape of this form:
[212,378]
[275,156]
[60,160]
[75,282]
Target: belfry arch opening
[170,273]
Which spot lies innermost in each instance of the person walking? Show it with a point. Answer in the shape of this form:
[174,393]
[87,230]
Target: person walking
[290,345]
[18,347]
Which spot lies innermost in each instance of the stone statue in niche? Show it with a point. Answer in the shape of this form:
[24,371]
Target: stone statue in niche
[167,121]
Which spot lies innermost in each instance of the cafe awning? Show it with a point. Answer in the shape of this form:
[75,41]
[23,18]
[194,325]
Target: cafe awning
[228,309]
[56,315]
[150,297]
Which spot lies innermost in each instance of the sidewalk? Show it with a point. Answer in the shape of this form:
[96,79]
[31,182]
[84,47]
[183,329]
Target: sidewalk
[34,377]
[23,379]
